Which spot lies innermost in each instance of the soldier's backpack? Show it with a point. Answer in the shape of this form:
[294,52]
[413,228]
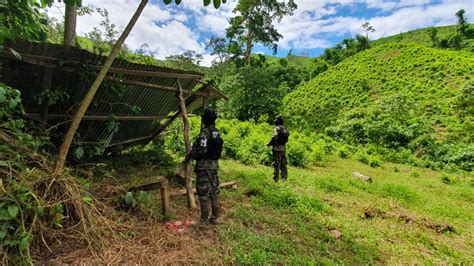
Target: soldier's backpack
[283,135]
[216,144]
[200,148]
[208,147]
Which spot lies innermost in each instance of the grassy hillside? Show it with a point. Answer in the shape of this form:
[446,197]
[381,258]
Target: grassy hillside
[422,37]
[394,96]
[391,220]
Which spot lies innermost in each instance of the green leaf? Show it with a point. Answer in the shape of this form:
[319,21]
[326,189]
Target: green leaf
[177,2]
[129,200]
[13,211]
[167,2]
[16,54]
[3,95]
[207,2]
[217,3]
[10,243]
[87,199]
[3,234]
[24,242]
[79,152]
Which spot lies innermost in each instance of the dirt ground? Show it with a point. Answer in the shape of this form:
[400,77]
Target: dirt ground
[147,241]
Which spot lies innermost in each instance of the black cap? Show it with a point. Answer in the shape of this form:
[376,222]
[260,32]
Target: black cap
[279,121]
[209,116]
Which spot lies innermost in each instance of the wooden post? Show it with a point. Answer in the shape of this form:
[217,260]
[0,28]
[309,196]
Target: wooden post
[187,164]
[165,198]
[47,80]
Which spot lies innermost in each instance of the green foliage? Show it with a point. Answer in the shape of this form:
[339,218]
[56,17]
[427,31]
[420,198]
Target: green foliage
[22,19]
[252,93]
[254,23]
[448,179]
[247,142]
[10,108]
[389,96]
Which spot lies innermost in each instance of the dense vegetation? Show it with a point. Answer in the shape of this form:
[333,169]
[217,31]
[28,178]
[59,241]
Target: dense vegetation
[389,96]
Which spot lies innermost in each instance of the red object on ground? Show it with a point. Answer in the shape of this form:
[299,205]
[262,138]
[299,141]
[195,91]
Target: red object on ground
[179,226]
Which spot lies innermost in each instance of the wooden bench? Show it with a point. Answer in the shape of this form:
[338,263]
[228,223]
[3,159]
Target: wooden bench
[155,183]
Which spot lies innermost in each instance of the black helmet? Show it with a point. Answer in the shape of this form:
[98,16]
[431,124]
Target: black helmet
[209,117]
[279,121]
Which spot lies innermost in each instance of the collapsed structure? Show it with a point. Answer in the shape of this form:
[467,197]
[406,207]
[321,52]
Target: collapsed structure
[135,103]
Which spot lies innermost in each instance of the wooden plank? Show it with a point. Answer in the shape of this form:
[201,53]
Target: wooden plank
[144,73]
[231,184]
[103,117]
[49,62]
[155,183]
[152,183]
[165,199]
[154,86]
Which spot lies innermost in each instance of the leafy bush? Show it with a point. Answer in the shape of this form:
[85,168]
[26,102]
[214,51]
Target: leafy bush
[247,142]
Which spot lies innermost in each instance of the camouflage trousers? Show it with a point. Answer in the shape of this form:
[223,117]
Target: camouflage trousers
[207,186]
[279,165]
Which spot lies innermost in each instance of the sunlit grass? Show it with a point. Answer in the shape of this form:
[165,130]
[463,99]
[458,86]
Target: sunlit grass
[291,222]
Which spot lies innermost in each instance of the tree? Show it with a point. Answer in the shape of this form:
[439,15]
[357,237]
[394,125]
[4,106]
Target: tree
[188,60]
[434,36]
[252,92]
[362,42]
[368,28]
[255,24]
[462,22]
[218,47]
[70,21]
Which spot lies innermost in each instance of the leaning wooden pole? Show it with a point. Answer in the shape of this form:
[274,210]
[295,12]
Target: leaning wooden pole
[63,150]
[187,163]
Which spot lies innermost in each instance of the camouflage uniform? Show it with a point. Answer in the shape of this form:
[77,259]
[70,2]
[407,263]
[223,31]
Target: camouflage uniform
[207,180]
[279,157]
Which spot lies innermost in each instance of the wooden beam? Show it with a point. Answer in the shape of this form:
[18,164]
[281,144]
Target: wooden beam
[148,73]
[155,183]
[187,142]
[50,62]
[104,117]
[231,184]
[154,86]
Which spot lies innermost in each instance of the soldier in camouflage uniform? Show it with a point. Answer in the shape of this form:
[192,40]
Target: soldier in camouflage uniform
[279,151]
[207,180]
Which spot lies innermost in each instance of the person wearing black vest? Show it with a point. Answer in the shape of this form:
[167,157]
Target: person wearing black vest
[278,142]
[207,151]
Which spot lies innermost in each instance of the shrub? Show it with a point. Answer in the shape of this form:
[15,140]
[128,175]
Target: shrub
[345,151]
[449,180]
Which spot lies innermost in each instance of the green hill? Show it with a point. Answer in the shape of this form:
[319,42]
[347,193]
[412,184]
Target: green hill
[422,37]
[397,97]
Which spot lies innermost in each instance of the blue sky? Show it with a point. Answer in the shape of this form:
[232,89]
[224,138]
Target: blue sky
[316,24]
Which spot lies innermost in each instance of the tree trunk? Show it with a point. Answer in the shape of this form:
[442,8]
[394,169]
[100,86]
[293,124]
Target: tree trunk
[248,48]
[187,163]
[63,150]
[70,25]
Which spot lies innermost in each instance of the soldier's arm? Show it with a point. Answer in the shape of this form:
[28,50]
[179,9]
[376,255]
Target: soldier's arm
[274,137]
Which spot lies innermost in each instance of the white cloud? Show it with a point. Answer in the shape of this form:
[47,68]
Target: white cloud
[174,29]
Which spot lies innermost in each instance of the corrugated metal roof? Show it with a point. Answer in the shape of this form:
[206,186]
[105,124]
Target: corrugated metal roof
[73,71]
